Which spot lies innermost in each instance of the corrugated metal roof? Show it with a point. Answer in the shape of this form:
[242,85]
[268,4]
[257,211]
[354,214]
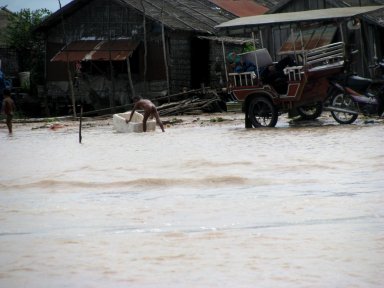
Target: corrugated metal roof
[241,8]
[96,50]
[308,39]
[75,51]
[297,17]
[226,39]
[114,49]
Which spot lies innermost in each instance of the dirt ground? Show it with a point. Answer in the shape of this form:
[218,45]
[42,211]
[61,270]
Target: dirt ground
[171,122]
[57,123]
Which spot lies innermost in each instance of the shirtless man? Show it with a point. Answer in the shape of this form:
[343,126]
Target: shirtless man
[149,110]
[8,107]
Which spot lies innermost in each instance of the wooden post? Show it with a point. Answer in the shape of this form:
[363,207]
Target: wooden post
[145,48]
[261,39]
[72,91]
[256,59]
[111,96]
[69,68]
[225,61]
[362,49]
[80,124]
[130,78]
[165,52]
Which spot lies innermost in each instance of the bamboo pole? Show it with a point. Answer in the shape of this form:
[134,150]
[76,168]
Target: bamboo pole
[111,96]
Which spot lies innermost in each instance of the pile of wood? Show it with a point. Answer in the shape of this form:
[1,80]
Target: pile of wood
[195,103]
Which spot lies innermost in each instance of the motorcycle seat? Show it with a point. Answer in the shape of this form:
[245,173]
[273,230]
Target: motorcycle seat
[358,83]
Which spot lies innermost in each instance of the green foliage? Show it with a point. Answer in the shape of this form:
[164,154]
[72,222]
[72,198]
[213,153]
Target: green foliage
[217,119]
[18,115]
[20,35]
[176,120]
[248,47]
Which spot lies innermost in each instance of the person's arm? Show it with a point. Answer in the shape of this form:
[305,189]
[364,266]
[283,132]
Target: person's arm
[132,112]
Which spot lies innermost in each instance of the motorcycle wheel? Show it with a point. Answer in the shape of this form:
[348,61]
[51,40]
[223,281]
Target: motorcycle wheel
[310,112]
[343,101]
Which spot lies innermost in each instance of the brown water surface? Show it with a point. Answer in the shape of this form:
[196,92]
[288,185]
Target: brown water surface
[214,206]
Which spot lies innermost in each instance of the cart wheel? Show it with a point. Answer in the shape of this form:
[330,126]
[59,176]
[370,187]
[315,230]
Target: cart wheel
[248,122]
[262,112]
[310,112]
[344,101]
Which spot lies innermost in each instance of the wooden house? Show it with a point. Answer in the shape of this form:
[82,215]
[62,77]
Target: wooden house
[102,52]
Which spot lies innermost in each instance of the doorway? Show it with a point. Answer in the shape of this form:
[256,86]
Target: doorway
[200,73]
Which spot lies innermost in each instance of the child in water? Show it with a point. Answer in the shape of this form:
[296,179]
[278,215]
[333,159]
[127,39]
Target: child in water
[7,108]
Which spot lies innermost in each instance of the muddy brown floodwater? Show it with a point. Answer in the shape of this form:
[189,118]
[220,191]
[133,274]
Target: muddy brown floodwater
[205,204]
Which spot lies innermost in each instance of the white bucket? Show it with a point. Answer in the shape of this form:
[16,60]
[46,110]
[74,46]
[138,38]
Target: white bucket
[25,79]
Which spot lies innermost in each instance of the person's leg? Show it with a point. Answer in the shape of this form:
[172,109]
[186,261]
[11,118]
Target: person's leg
[146,115]
[9,123]
[158,121]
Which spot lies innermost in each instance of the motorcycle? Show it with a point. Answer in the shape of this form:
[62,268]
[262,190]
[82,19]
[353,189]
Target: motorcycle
[353,95]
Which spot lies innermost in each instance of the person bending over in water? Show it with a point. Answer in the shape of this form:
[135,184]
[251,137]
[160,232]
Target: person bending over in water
[149,110]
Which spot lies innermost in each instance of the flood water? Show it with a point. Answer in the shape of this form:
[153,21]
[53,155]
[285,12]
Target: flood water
[210,206]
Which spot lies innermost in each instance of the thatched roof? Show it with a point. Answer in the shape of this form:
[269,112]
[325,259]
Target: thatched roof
[196,15]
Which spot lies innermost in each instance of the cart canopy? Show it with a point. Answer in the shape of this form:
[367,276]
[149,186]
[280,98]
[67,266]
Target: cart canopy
[297,17]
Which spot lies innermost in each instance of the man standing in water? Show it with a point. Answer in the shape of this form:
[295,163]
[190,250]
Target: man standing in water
[7,108]
[149,110]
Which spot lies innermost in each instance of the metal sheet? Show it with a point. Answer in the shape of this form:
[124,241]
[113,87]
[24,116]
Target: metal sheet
[115,50]
[241,8]
[297,17]
[312,38]
[75,51]
[96,50]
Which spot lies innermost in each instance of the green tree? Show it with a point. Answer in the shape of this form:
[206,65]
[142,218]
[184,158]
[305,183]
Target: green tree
[28,45]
